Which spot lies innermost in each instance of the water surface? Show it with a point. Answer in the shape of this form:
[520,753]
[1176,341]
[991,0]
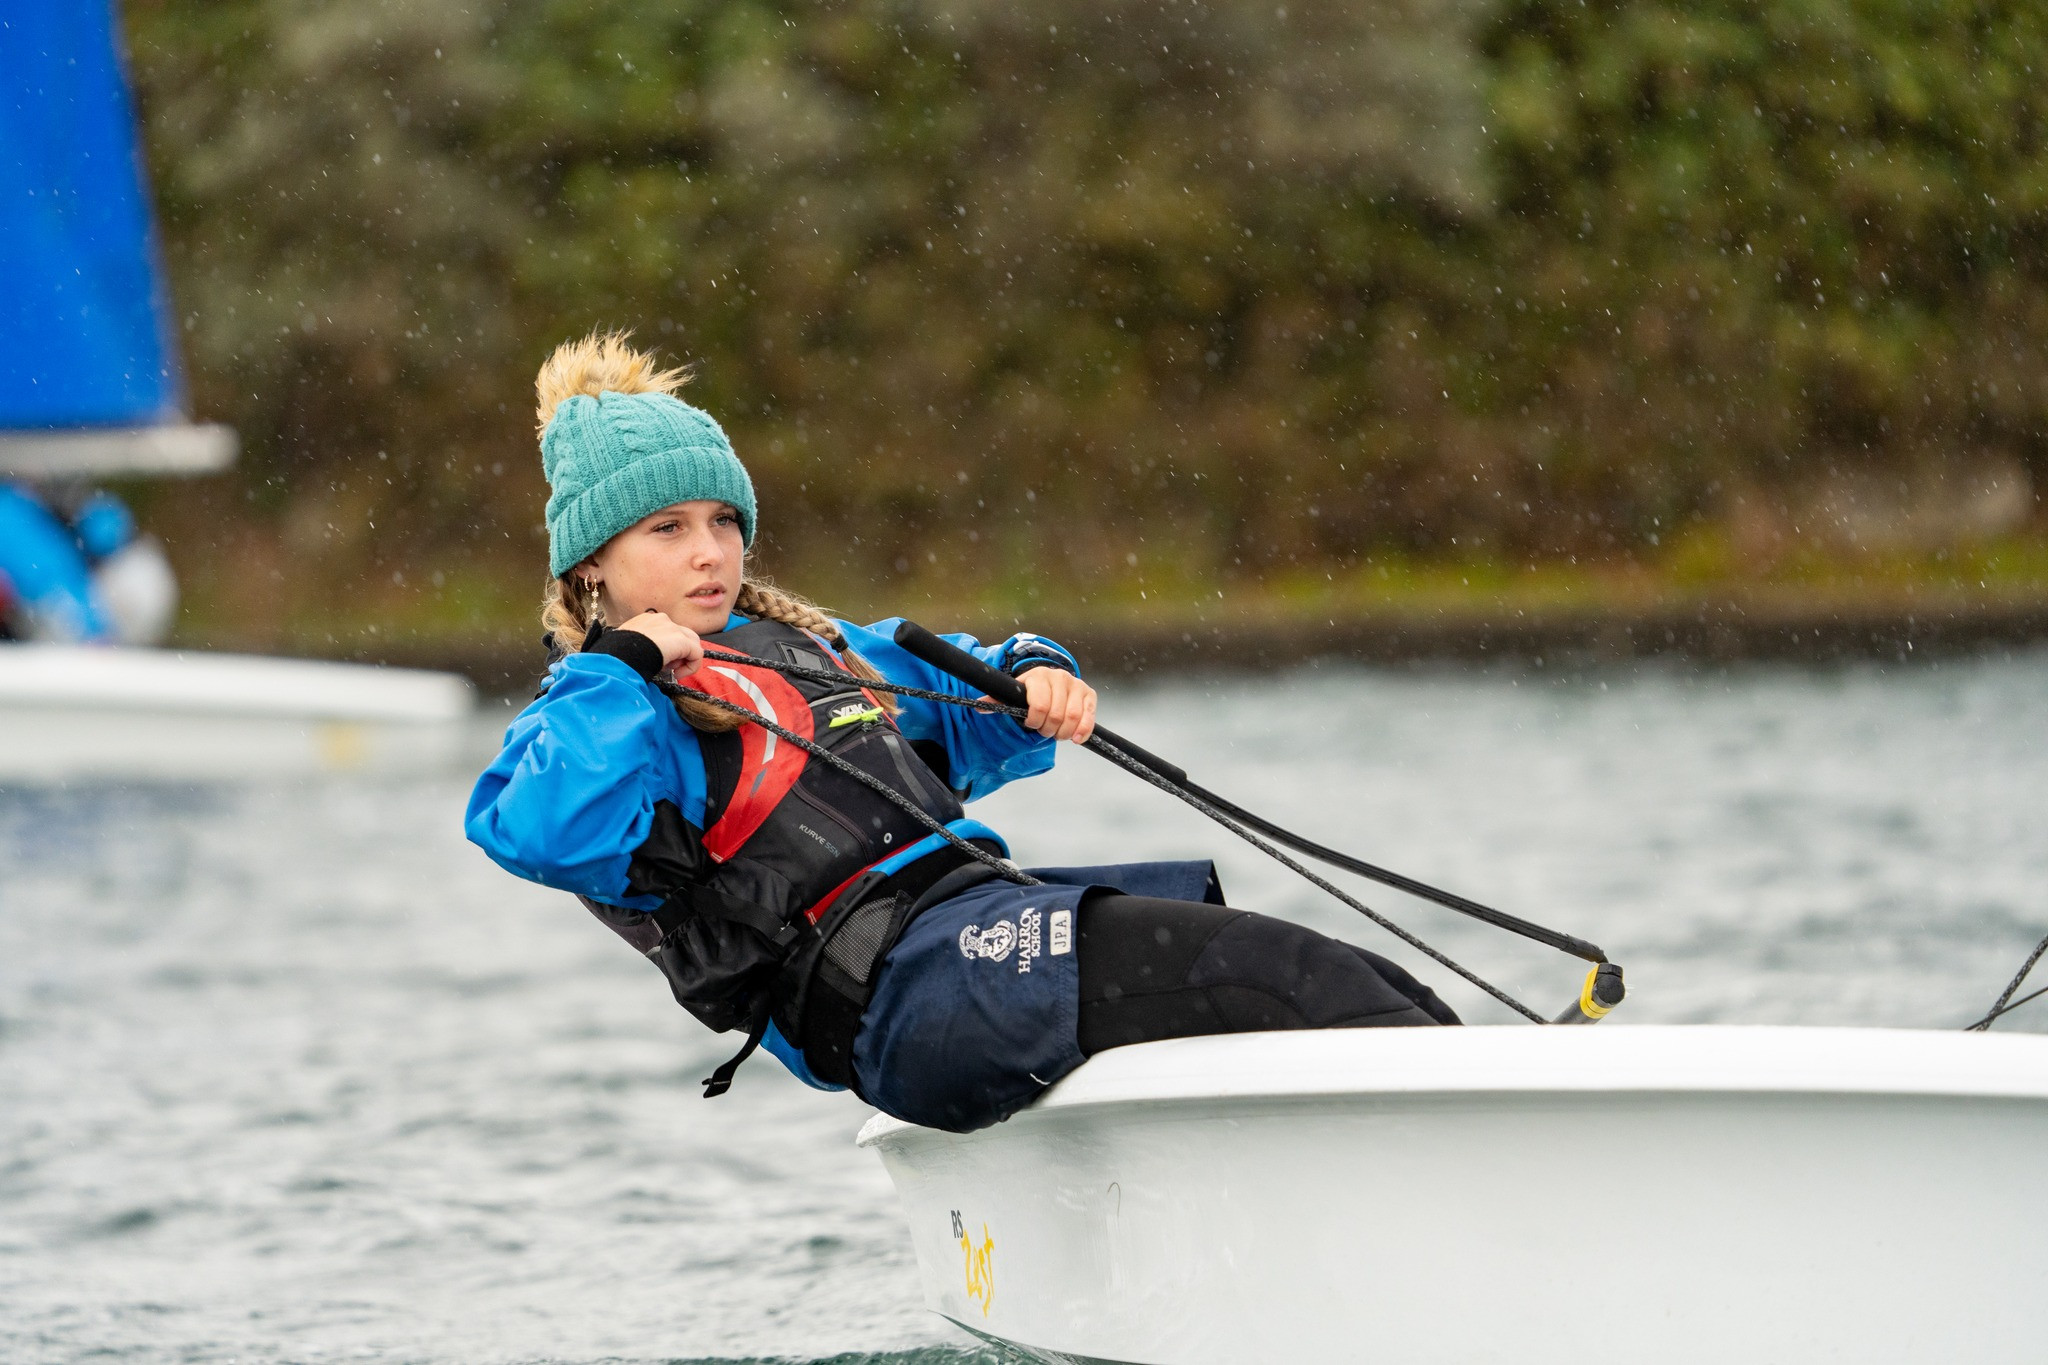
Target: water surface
[293,1073]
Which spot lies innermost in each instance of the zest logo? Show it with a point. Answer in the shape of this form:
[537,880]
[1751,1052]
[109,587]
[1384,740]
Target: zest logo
[979,1263]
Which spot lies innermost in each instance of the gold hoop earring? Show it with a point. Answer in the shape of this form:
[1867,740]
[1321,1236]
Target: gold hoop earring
[592,608]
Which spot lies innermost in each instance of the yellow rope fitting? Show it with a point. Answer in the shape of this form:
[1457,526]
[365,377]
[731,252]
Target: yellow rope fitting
[1592,1008]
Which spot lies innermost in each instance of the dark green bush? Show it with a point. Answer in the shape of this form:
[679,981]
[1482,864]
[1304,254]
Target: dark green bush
[1227,285]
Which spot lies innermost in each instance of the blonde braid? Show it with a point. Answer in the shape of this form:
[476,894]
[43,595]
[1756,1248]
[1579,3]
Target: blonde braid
[565,615]
[759,598]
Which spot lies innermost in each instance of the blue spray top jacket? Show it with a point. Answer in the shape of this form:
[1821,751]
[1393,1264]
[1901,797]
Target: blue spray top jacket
[571,796]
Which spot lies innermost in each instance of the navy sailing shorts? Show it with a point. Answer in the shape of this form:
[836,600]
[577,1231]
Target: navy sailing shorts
[976,1007]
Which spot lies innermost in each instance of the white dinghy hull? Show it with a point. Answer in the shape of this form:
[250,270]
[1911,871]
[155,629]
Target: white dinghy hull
[70,712]
[1540,1196]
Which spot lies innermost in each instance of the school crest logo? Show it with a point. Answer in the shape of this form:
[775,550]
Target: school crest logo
[993,943]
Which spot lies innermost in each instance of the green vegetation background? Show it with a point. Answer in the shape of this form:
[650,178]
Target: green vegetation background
[1086,310]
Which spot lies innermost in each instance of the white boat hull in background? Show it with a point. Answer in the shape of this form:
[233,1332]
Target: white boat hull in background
[79,712]
[1542,1196]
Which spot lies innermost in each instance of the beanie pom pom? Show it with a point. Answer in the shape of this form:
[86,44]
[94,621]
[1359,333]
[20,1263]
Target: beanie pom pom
[599,363]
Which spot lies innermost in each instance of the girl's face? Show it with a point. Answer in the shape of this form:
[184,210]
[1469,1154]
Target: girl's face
[683,561]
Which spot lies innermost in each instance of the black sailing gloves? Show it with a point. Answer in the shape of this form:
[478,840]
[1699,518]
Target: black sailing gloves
[630,648]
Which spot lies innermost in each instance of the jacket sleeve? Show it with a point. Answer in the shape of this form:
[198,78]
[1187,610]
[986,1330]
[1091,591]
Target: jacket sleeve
[571,797]
[985,751]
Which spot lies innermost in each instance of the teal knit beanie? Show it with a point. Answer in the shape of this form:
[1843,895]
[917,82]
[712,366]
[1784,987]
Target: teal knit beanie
[612,459]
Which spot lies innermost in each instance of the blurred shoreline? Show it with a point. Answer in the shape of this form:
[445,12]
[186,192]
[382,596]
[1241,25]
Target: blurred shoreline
[1755,625]
[1706,631]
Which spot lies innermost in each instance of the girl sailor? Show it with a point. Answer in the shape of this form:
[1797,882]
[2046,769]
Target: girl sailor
[788,844]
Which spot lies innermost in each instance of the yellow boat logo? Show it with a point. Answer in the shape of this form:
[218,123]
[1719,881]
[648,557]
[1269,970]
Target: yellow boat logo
[979,1262]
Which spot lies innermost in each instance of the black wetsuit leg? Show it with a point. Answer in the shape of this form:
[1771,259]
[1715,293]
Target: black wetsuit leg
[1154,969]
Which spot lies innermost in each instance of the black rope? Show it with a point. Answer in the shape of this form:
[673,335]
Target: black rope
[1008,871]
[2000,1006]
[1186,789]
[2030,995]
[1131,765]
[988,704]
[1485,914]
[1122,760]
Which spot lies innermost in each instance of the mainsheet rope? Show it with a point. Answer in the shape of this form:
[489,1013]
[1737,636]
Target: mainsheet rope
[1002,867]
[1131,765]
[2005,1004]
[1999,1006]
[1107,750]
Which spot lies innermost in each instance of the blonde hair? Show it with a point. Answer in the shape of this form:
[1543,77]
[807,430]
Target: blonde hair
[603,363]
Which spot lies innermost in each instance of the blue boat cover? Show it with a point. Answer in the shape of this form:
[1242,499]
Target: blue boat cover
[84,316]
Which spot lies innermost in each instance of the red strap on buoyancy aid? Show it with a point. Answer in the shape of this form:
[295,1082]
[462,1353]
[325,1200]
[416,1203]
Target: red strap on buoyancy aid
[769,767]
[831,898]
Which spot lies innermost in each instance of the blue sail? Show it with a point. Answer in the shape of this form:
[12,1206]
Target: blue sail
[85,338]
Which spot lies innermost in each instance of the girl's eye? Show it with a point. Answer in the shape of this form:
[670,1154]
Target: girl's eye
[727,519]
[667,526]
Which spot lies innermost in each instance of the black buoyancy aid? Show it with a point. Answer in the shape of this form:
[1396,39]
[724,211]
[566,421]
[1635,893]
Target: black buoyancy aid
[779,903]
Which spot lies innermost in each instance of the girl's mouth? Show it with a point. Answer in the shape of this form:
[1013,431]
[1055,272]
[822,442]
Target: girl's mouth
[709,595]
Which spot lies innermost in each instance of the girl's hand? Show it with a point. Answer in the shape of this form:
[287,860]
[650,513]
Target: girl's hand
[681,650]
[1061,705]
